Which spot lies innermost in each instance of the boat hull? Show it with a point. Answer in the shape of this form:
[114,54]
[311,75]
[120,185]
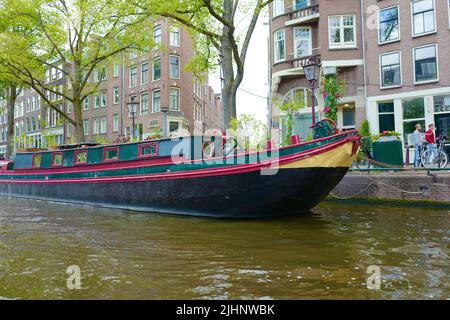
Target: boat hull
[243,195]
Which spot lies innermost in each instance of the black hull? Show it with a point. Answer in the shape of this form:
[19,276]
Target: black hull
[244,195]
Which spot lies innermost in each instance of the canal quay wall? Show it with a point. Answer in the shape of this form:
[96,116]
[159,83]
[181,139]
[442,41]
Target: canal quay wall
[406,188]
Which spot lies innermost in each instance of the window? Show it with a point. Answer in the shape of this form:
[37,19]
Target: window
[175,36]
[37,161]
[174,62]
[148,150]
[116,122]
[111,154]
[144,103]
[96,126]
[116,69]
[69,107]
[86,103]
[173,126]
[302,42]
[70,129]
[279,46]
[174,99]
[133,77]
[348,117]
[104,97]
[278,7]
[81,156]
[342,31]
[156,69]
[86,127]
[301,4]
[413,113]
[423,17]
[157,35]
[391,74]
[156,101]
[116,95]
[389,25]
[425,64]
[442,104]
[96,101]
[133,54]
[103,125]
[144,73]
[57,160]
[386,116]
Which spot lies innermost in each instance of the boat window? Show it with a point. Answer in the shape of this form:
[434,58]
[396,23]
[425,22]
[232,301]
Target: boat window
[37,160]
[57,159]
[81,157]
[110,154]
[148,150]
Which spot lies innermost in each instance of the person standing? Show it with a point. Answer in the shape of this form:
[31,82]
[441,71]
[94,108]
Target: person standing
[430,138]
[417,141]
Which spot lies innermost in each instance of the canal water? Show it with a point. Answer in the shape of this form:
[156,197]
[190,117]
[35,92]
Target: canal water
[127,255]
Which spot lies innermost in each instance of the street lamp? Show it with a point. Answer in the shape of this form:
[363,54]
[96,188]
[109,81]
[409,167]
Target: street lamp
[132,108]
[311,67]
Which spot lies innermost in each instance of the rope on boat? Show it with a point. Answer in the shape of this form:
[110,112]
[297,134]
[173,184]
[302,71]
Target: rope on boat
[375,181]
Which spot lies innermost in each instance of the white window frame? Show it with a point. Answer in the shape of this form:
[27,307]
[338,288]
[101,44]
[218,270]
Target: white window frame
[153,101]
[179,67]
[103,121]
[153,69]
[115,122]
[412,20]
[86,127]
[295,42]
[116,94]
[142,73]
[343,44]
[170,99]
[437,63]
[277,11]
[140,105]
[131,76]
[86,104]
[175,30]
[381,70]
[275,43]
[104,94]
[116,70]
[399,25]
[159,37]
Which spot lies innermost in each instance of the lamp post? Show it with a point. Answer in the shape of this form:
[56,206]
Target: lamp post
[132,108]
[311,66]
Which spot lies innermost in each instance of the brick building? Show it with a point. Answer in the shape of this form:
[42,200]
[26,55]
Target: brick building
[393,57]
[168,98]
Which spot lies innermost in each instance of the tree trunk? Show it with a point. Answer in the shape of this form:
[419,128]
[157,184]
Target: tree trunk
[228,92]
[13,92]
[79,120]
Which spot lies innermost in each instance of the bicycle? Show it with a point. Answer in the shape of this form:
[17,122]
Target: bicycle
[434,158]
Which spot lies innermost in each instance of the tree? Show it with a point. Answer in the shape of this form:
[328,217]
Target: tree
[77,38]
[248,131]
[10,89]
[215,23]
[290,107]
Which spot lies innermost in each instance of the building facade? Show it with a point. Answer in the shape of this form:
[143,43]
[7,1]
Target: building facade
[330,31]
[392,57]
[168,99]
[408,65]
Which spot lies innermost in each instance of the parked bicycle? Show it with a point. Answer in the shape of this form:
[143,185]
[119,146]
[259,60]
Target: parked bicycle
[435,158]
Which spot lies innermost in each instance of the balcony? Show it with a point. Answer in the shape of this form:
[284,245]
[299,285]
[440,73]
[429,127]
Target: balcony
[299,62]
[304,11]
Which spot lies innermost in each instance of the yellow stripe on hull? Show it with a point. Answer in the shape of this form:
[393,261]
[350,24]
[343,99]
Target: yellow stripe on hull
[336,158]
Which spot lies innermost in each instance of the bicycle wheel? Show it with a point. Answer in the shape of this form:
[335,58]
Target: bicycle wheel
[434,159]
